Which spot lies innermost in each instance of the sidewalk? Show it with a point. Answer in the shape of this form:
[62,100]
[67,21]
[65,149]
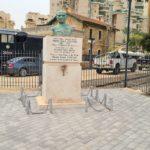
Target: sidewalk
[127,127]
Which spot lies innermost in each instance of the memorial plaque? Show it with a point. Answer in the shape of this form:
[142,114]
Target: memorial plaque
[61,68]
[63,49]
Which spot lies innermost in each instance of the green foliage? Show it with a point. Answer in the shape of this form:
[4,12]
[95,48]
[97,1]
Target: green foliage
[138,40]
[146,42]
[135,41]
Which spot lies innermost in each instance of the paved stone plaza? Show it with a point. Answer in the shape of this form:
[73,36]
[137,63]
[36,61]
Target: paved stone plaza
[127,127]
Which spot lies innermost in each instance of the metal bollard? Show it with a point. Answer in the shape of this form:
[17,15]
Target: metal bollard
[97,95]
[21,94]
[50,106]
[91,90]
[111,104]
[24,97]
[28,107]
[105,100]
[86,104]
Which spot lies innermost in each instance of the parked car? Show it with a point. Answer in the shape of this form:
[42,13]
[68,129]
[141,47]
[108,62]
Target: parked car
[114,61]
[0,70]
[144,62]
[22,66]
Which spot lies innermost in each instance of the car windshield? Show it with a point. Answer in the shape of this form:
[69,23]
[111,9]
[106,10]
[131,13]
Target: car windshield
[109,55]
[114,55]
[14,59]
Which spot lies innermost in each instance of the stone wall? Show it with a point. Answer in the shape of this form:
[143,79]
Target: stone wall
[120,24]
[76,24]
[33,19]
[105,43]
[94,10]
[77,6]
[83,8]
[5,21]
[39,30]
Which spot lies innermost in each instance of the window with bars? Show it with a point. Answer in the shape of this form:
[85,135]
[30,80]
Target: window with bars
[100,35]
[7,38]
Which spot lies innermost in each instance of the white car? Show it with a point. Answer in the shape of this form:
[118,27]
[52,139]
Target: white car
[115,61]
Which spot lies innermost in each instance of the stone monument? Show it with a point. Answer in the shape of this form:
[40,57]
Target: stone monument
[62,55]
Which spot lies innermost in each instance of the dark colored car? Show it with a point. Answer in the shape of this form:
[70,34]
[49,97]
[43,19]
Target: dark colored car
[0,70]
[3,69]
[22,66]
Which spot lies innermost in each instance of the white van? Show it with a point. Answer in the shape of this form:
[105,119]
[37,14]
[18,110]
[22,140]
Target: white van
[114,61]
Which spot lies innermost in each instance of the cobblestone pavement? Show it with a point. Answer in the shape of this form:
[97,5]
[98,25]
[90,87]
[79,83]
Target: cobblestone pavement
[127,127]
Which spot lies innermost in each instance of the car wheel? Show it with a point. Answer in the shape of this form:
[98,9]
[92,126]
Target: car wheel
[133,68]
[116,69]
[99,71]
[23,72]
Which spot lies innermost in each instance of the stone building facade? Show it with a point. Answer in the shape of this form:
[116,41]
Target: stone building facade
[34,19]
[5,21]
[113,12]
[138,19]
[103,33]
[76,6]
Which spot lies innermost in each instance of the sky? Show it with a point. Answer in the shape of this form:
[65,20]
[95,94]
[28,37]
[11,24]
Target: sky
[19,8]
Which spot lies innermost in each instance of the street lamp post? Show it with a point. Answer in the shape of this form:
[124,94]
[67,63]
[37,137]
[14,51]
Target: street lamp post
[91,41]
[127,43]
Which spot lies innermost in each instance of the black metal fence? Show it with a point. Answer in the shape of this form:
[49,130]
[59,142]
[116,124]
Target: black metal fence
[108,71]
[21,70]
[20,61]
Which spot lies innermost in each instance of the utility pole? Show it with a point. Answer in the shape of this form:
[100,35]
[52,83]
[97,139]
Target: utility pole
[149,16]
[127,44]
[91,40]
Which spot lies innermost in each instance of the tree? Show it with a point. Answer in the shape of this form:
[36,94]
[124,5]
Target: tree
[145,42]
[135,37]
[135,41]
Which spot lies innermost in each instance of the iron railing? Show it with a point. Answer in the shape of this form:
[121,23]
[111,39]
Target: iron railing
[21,70]
[137,75]
[138,78]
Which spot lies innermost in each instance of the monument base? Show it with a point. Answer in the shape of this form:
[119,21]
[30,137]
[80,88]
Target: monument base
[62,83]
[68,103]
[61,70]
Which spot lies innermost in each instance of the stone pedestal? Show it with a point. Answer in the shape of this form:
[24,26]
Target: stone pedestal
[61,68]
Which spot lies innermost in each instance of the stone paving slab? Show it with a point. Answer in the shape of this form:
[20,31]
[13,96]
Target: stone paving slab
[127,127]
